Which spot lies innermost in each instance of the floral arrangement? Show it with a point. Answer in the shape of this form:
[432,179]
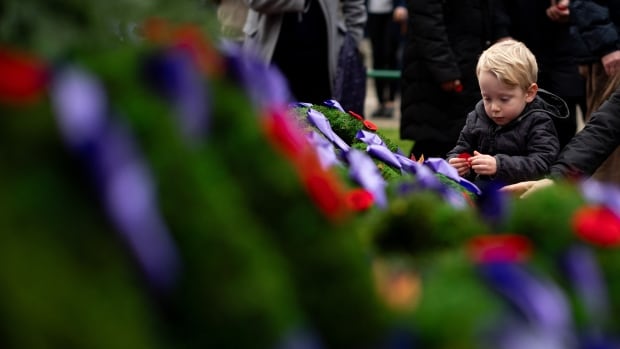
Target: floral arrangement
[164,192]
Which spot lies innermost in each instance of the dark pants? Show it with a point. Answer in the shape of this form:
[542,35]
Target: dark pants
[301,54]
[384,35]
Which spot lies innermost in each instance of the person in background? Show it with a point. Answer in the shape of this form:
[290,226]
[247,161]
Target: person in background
[303,39]
[596,25]
[585,152]
[543,26]
[232,14]
[385,27]
[439,86]
[510,132]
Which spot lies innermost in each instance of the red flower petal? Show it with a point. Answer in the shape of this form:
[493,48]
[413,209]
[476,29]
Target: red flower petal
[597,225]
[359,199]
[356,115]
[191,38]
[22,78]
[499,248]
[464,156]
[370,125]
[325,192]
[458,88]
[286,136]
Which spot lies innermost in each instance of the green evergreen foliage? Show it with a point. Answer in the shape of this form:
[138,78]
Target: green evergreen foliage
[260,259]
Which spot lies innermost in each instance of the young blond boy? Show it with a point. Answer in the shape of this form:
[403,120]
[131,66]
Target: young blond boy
[509,136]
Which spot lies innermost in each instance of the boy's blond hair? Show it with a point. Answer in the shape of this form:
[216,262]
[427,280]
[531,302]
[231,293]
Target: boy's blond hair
[511,62]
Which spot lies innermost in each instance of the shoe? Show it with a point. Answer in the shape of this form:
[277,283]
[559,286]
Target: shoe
[378,113]
[384,112]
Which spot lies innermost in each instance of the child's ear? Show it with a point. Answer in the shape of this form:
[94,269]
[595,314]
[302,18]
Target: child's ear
[531,92]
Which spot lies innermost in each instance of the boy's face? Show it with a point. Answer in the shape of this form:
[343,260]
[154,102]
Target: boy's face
[503,103]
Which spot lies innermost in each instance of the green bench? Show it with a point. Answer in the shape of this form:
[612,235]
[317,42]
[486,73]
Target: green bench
[383,74]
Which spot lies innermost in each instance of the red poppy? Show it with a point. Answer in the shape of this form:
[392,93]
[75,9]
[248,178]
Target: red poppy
[597,225]
[561,7]
[356,115]
[359,199]
[191,38]
[499,248]
[157,30]
[22,78]
[187,37]
[325,191]
[284,134]
[458,88]
[465,156]
[370,125]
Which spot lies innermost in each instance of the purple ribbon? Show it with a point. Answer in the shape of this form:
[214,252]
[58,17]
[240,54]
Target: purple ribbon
[265,84]
[582,270]
[440,165]
[324,149]
[319,120]
[384,154]
[370,138]
[600,193]
[173,74]
[123,178]
[300,105]
[363,170]
[332,103]
[541,303]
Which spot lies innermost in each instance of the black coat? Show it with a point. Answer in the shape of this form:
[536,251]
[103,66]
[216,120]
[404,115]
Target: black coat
[525,148]
[445,39]
[551,42]
[594,143]
[595,25]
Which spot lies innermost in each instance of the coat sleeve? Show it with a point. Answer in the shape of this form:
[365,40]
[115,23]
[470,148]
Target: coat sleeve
[594,27]
[593,144]
[543,147]
[276,6]
[466,142]
[429,29]
[354,13]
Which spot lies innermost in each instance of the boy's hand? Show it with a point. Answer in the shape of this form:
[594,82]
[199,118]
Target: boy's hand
[461,165]
[483,164]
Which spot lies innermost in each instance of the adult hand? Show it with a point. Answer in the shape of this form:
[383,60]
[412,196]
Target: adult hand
[453,85]
[525,189]
[400,14]
[461,165]
[611,62]
[483,164]
[558,11]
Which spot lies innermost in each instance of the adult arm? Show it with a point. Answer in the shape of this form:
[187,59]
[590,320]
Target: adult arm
[593,144]
[593,24]
[429,30]
[354,13]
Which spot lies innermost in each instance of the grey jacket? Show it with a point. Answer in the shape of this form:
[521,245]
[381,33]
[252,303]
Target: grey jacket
[262,27]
